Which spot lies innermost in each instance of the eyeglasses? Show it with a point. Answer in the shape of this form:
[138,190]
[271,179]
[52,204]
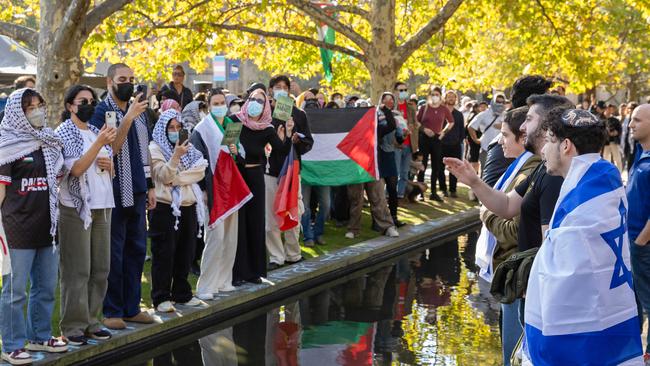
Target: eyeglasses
[177,74]
[84,101]
[260,101]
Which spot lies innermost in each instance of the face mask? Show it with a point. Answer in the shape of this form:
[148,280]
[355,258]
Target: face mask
[278,93]
[219,111]
[339,102]
[255,109]
[235,108]
[435,99]
[403,95]
[172,136]
[123,91]
[37,118]
[498,108]
[85,112]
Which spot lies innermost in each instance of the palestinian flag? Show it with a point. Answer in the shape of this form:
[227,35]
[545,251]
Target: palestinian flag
[229,189]
[327,35]
[285,204]
[345,147]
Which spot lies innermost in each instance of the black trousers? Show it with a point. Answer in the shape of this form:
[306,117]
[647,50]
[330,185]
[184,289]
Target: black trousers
[250,260]
[448,151]
[172,253]
[391,188]
[431,147]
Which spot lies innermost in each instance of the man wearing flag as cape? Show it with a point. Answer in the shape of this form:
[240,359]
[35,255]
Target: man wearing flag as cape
[580,304]
[226,193]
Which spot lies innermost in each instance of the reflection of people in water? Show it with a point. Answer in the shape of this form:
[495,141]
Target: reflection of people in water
[283,335]
[438,271]
[219,349]
[480,300]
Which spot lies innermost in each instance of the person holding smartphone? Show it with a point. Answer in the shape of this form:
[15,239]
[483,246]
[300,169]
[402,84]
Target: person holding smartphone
[133,192]
[86,201]
[176,169]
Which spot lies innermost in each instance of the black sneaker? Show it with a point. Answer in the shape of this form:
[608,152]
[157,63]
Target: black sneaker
[453,195]
[445,193]
[79,340]
[100,335]
[435,197]
[273,266]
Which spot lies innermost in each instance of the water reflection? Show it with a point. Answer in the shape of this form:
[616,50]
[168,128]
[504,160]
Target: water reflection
[425,309]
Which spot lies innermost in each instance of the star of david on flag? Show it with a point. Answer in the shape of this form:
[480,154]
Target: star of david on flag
[615,239]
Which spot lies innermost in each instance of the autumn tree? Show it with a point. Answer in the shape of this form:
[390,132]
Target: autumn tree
[374,37]
[63,28]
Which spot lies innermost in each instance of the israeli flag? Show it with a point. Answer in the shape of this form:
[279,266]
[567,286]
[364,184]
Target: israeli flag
[580,306]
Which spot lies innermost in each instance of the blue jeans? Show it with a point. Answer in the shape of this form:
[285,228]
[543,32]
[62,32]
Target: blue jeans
[128,249]
[323,197]
[640,259]
[511,329]
[403,160]
[40,267]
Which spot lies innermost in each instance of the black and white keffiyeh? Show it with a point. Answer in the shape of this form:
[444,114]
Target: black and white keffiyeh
[124,156]
[18,139]
[73,148]
[191,159]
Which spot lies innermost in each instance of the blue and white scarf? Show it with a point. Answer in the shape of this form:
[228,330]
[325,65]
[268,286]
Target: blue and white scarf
[487,244]
[191,159]
[18,139]
[124,156]
[73,148]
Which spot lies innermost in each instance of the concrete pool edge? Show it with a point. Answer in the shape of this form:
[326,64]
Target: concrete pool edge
[288,280]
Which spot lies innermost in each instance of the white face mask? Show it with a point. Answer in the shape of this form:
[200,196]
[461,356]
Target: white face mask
[37,118]
[435,99]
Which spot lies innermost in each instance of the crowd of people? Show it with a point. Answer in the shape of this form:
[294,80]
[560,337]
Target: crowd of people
[79,202]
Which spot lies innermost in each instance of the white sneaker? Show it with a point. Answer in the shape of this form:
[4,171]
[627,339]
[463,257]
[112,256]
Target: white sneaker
[193,302]
[205,297]
[228,288]
[53,345]
[18,357]
[392,232]
[349,235]
[165,307]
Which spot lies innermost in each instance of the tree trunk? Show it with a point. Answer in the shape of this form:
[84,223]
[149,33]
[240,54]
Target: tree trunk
[382,61]
[58,67]
[383,76]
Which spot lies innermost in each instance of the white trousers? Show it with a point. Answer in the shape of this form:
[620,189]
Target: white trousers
[280,252]
[218,256]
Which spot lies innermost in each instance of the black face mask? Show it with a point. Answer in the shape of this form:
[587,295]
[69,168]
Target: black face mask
[123,91]
[85,112]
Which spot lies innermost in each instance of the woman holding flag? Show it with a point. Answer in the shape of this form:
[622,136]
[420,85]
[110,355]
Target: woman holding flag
[257,131]
[224,197]
[176,168]
[498,239]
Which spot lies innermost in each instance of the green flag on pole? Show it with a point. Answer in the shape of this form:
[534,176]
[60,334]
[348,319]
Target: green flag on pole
[327,35]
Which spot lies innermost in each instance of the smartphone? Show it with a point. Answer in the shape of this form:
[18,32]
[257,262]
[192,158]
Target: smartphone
[183,135]
[111,119]
[141,88]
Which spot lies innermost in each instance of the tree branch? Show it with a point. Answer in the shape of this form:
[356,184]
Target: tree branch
[350,9]
[72,19]
[545,14]
[101,12]
[320,16]
[20,33]
[425,33]
[291,37]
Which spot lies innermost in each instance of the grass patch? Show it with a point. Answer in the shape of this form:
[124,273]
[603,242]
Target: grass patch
[410,213]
